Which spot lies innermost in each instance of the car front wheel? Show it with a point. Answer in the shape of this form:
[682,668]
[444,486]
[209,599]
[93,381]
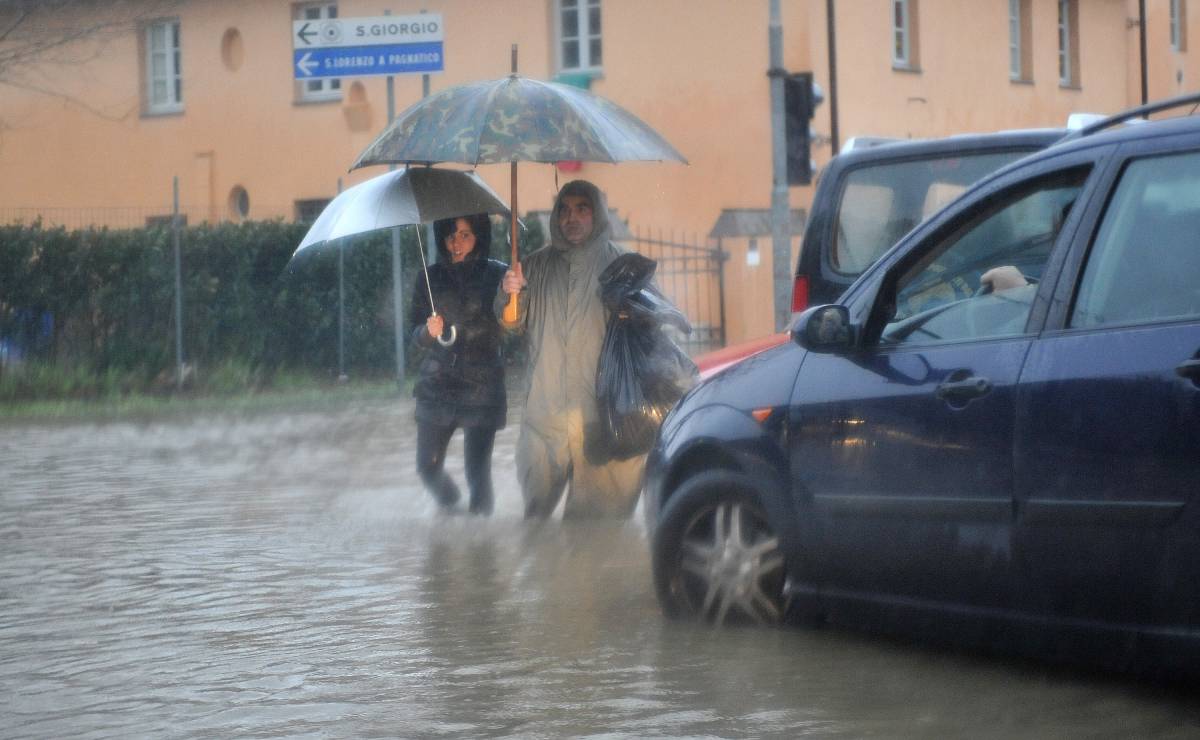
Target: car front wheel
[716,556]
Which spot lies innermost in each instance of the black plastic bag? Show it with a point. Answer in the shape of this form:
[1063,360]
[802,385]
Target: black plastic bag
[626,291]
[642,373]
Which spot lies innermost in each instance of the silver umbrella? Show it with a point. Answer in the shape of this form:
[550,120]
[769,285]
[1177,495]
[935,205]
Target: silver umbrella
[412,195]
[402,197]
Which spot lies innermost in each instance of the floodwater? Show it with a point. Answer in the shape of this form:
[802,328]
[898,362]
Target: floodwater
[283,574]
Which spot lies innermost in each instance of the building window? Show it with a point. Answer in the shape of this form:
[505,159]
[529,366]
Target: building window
[164,76]
[1179,25]
[307,211]
[904,34]
[1068,43]
[1020,31]
[329,88]
[580,46]
[239,203]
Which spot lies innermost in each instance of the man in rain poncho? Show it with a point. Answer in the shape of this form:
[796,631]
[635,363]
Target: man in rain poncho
[560,312]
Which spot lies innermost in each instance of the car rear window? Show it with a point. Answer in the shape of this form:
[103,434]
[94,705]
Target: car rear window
[881,203]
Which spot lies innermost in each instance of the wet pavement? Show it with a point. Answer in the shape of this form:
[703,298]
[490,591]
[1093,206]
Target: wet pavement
[283,575]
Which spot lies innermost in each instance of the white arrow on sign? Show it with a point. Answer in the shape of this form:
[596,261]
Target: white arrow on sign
[306,64]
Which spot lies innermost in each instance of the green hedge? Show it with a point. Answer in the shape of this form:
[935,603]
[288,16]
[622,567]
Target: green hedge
[95,309]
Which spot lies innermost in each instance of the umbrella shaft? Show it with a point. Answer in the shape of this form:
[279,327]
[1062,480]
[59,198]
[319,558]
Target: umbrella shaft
[425,269]
[512,212]
[509,315]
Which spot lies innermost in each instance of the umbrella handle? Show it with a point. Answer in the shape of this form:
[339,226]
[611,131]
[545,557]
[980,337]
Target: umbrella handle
[453,337]
[509,314]
[510,309]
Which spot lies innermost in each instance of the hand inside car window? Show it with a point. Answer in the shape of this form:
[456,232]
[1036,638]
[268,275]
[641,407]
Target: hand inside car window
[980,281]
[1005,277]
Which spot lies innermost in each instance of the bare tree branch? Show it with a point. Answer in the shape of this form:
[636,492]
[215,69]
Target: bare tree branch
[73,100]
[16,23]
[38,34]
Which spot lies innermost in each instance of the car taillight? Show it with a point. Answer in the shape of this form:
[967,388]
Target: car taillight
[800,293]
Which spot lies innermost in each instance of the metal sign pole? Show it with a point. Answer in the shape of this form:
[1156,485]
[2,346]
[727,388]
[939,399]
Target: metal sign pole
[430,241]
[178,290]
[342,377]
[397,267]
[398,303]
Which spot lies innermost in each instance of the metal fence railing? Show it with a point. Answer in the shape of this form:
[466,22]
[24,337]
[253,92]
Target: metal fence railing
[689,274]
[137,217]
[87,217]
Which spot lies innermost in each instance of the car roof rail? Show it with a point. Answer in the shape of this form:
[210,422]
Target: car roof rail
[1138,112]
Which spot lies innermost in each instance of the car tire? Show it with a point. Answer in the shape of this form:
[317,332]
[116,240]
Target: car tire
[716,557]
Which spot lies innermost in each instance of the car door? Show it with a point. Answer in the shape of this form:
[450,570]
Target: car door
[1108,431]
[901,450]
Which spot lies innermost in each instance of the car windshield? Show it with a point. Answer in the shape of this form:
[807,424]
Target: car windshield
[883,202]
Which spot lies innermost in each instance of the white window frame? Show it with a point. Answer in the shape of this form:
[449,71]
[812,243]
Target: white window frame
[322,89]
[1066,75]
[905,40]
[585,34]
[902,35]
[168,79]
[1178,17]
[1014,40]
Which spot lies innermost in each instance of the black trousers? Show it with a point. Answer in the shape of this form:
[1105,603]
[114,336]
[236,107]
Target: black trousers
[432,441]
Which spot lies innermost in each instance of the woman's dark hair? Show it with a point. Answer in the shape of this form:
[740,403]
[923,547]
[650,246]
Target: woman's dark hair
[480,224]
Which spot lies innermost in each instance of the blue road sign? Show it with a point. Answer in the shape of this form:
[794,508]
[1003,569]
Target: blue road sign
[360,61]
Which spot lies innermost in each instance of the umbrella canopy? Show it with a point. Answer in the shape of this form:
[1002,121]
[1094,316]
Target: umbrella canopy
[516,119]
[404,196]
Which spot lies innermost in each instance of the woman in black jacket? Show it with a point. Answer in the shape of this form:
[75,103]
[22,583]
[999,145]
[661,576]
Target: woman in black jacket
[462,384]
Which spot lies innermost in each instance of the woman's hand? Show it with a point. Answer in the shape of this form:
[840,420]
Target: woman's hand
[434,325]
[514,281]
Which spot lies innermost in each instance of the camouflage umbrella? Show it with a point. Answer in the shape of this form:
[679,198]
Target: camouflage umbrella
[516,119]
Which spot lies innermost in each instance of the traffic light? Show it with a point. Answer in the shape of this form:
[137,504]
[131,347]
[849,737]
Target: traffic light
[801,96]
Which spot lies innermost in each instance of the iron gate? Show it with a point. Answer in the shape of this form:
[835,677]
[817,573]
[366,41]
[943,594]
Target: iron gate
[690,275]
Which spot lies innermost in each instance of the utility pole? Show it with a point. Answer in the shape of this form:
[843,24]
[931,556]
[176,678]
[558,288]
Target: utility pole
[781,238]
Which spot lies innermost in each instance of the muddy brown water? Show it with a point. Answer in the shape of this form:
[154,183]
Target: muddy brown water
[283,575]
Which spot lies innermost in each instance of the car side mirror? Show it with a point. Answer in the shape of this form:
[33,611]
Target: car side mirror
[824,329]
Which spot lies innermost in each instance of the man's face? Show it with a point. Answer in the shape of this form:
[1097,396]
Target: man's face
[575,218]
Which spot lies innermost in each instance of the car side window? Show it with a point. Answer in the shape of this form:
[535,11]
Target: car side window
[1144,264]
[979,282]
[883,202]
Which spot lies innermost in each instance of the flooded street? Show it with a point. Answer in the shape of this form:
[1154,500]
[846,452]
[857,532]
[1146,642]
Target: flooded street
[283,575]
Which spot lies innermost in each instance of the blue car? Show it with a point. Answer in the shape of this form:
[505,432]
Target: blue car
[993,439]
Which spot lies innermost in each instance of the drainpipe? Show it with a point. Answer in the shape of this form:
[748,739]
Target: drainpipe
[1142,44]
[833,94]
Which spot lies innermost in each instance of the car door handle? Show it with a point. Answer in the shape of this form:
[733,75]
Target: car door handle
[1189,369]
[964,389]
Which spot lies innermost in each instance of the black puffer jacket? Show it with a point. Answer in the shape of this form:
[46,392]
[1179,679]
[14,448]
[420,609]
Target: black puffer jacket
[462,384]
